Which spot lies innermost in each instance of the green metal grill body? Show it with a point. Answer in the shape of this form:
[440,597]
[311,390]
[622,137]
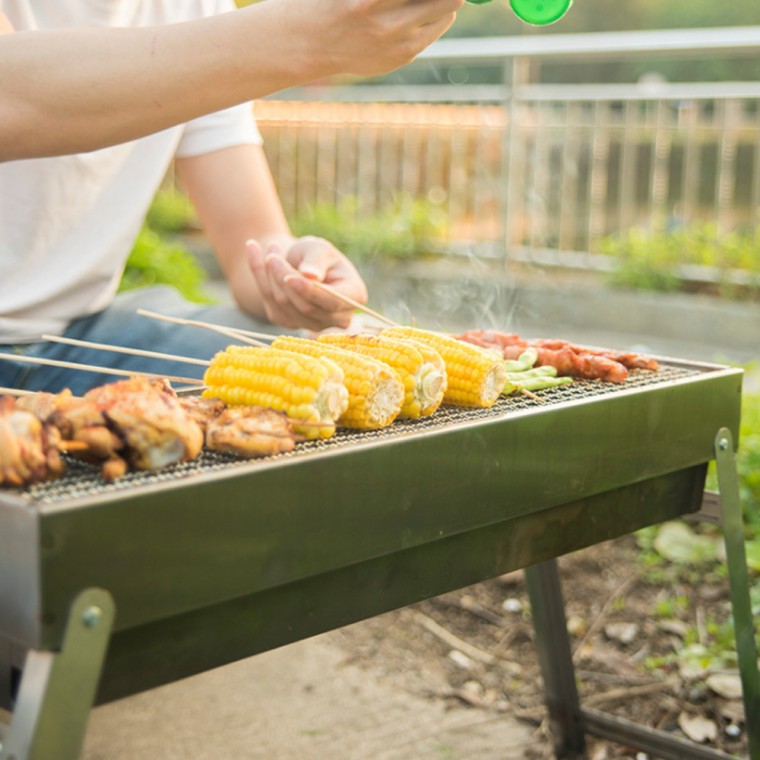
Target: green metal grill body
[219,559]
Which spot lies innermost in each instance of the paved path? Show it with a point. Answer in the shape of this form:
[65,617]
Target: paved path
[301,702]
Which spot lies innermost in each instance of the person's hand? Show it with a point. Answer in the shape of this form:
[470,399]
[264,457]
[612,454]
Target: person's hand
[367,37]
[284,279]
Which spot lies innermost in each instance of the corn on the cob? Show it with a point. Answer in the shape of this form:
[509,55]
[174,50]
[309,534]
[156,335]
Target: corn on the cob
[475,375]
[309,390]
[375,393]
[419,367]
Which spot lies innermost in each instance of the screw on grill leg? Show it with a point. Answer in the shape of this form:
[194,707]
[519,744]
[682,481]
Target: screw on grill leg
[92,616]
[50,715]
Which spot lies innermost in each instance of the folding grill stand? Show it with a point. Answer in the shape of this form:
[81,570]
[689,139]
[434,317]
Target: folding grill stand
[58,688]
[569,720]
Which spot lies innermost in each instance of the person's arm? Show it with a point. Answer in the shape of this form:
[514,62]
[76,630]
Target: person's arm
[236,201]
[5,25]
[67,91]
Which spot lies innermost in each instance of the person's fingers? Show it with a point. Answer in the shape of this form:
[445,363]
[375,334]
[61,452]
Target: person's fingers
[277,269]
[307,292]
[434,11]
[319,260]
[257,264]
[306,307]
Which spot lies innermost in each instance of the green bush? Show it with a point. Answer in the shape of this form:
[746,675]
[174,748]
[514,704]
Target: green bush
[157,260]
[660,260]
[405,228]
[170,211]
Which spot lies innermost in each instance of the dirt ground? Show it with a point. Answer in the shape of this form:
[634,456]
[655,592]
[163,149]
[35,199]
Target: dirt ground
[475,648]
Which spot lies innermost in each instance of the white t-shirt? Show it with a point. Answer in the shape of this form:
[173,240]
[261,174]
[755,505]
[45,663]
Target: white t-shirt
[67,224]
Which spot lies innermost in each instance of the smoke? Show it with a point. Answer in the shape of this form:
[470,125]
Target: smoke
[453,294]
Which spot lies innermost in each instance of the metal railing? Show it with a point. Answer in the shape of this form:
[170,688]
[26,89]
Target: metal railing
[525,167]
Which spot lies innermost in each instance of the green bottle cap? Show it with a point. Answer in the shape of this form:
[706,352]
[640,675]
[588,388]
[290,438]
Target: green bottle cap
[540,12]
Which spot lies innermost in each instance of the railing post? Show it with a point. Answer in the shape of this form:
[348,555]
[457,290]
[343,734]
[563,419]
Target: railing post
[513,166]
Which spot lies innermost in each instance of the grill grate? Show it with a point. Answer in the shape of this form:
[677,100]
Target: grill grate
[83,480]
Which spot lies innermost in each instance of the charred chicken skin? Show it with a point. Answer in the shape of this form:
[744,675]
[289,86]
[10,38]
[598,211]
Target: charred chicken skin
[137,422]
[79,421]
[202,410]
[28,447]
[149,419]
[250,431]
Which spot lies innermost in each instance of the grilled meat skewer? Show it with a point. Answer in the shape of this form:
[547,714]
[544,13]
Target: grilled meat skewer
[29,450]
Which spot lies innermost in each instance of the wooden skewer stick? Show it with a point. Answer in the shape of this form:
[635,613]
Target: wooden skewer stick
[230,332]
[15,392]
[94,368]
[125,350]
[346,299]
[69,446]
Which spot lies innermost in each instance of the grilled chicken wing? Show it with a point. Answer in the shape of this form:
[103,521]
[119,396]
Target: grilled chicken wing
[250,431]
[28,447]
[150,420]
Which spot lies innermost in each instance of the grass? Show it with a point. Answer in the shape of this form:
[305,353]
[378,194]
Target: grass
[159,258]
[693,258]
[674,555]
[407,227]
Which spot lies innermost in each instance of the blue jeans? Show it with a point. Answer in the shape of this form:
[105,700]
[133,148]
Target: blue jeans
[120,325]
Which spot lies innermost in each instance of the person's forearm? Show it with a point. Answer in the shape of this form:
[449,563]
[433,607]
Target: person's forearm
[235,198]
[79,90]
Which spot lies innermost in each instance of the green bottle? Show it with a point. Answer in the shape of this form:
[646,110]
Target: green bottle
[538,12]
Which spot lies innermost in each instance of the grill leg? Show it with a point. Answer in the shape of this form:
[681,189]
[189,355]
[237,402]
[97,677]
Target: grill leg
[738,581]
[58,688]
[555,658]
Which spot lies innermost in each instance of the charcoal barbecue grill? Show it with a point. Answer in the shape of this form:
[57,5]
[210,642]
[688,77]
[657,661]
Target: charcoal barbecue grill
[110,589]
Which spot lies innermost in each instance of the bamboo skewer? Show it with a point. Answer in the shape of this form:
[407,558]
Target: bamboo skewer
[129,351]
[346,299]
[16,392]
[230,332]
[95,368]
[125,350]
[243,335]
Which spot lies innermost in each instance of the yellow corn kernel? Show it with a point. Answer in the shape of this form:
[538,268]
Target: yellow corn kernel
[309,390]
[375,394]
[419,366]
[475,375]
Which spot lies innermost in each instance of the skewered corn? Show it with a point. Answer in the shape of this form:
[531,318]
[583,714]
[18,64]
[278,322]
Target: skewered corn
[476,376]
[309,390]
[419,366]
[375,394]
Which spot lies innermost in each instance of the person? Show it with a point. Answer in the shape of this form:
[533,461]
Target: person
[98,98]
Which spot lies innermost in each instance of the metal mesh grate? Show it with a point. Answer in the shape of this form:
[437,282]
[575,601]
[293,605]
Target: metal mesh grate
[83,480]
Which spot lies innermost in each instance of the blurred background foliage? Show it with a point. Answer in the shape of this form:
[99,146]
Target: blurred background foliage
[496,19]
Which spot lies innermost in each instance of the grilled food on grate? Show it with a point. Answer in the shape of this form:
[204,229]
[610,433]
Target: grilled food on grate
[419,366]
[29,448]
[375,393]
[309,390]
[147,416]
[475,376]
[138,422]
[569,359]
[250,431]
[202,410]
[80,421]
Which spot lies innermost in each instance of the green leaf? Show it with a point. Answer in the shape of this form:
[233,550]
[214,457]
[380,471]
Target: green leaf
[753,554]
[677,542]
